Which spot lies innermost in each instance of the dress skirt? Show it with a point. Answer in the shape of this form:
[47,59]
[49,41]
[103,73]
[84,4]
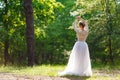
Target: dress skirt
[79,61]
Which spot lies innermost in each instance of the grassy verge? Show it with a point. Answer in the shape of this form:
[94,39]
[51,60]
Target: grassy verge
[100,72]
[47,70]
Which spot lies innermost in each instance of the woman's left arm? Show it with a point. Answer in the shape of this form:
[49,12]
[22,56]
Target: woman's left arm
[75,25]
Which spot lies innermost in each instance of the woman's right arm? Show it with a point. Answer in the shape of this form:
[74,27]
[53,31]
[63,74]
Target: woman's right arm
[86,26]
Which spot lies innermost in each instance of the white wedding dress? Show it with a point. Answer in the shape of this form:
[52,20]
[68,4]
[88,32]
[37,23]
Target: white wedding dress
[79,61]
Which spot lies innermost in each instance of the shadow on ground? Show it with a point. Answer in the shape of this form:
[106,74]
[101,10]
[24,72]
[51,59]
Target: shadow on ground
[76,77]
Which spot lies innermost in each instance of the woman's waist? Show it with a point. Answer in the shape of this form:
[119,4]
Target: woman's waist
[81,41]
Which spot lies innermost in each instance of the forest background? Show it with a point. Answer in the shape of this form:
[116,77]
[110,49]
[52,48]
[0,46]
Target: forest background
[53,33]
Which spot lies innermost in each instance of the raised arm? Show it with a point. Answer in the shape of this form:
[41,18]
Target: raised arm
[86,27]
[75,25]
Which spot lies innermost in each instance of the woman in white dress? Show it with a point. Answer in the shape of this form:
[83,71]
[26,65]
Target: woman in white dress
[79,61]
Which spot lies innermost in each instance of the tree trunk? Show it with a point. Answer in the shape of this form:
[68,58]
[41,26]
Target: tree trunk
[109,25]
[110,51]
[6,42]
[29,31]
[6,55]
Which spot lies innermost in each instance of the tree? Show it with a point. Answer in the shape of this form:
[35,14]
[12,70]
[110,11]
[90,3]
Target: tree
[44,14]
[11,30]
[29,31]
[109,27]
[6,42]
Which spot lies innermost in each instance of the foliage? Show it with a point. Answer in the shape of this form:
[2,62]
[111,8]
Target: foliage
[103,25]
[58,39]
[53,34]
[16,27]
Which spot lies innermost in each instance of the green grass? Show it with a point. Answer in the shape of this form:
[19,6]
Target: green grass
[48,70]
[51,70]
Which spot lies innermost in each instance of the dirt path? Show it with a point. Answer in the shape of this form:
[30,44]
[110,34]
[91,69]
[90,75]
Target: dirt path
[98,73]
[11,76]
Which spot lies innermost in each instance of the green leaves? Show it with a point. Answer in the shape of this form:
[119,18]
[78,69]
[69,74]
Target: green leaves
[103,23]
[44,11]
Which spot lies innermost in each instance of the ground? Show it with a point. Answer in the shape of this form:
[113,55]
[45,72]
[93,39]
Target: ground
[97,75]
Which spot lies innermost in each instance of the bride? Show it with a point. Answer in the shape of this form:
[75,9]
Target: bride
[79,61]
